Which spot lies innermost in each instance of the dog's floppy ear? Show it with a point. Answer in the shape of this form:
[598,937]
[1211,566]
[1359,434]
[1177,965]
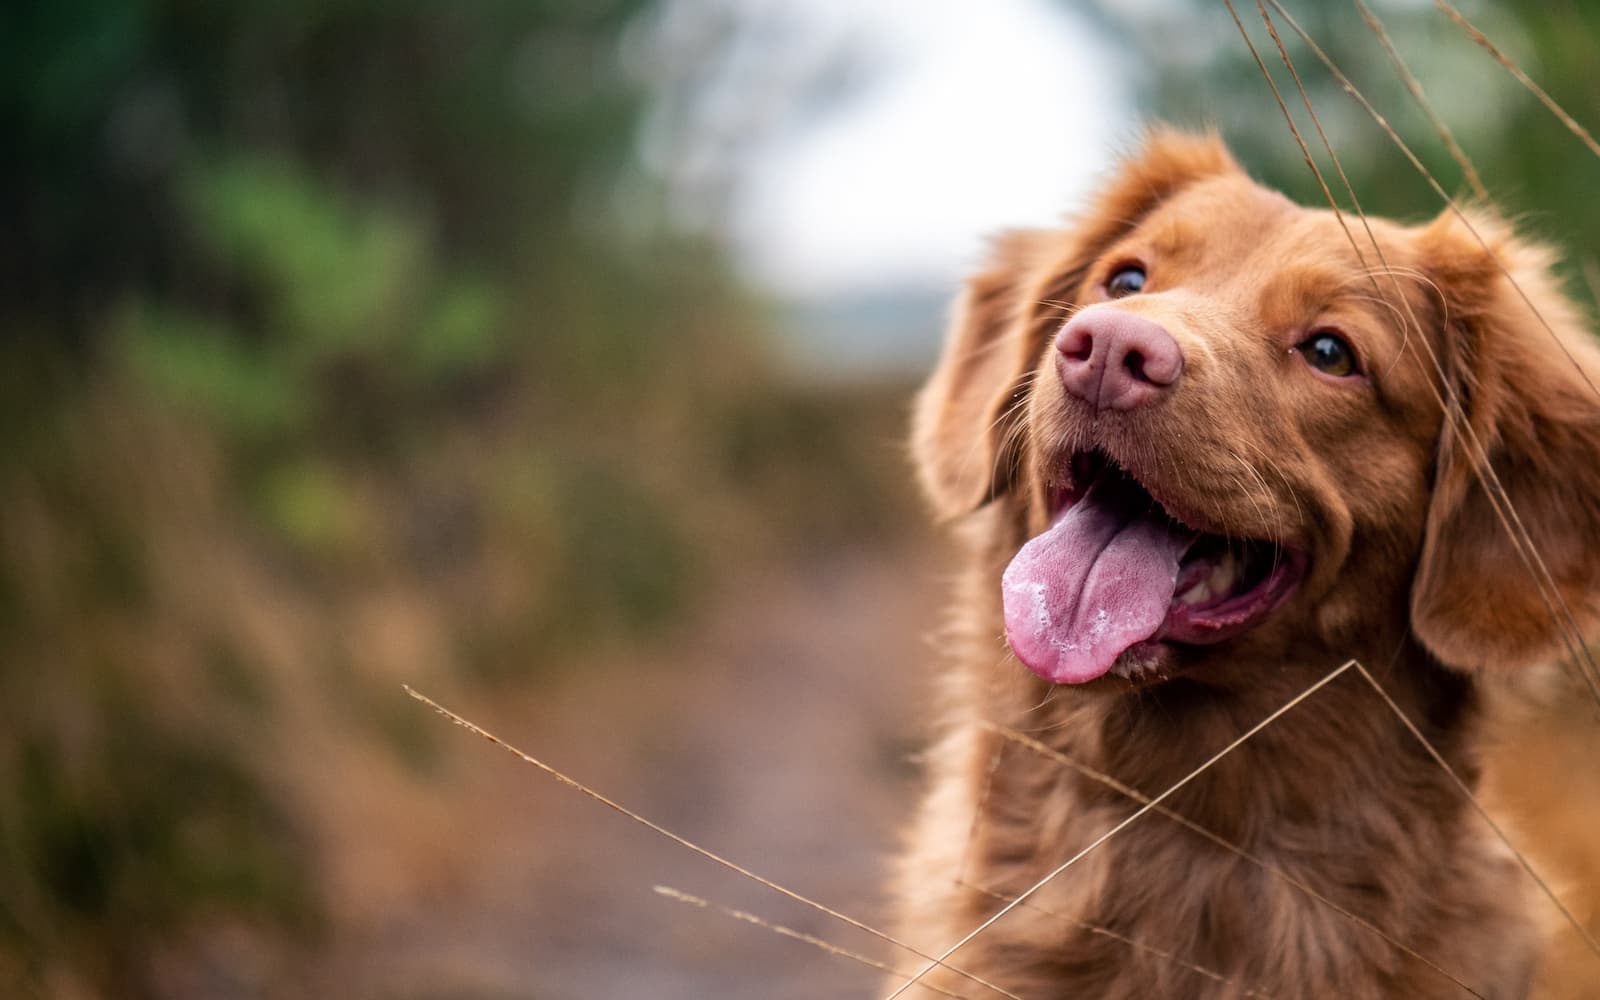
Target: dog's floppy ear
[964,429]
[956,430]
[1529,396]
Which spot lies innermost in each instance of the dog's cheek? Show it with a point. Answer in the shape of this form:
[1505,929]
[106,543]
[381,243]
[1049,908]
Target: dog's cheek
[1372,523]
[1049,431]
[1344,619]
[1369,598]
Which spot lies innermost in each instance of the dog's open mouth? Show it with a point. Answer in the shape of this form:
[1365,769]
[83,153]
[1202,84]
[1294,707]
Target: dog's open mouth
[1115,570]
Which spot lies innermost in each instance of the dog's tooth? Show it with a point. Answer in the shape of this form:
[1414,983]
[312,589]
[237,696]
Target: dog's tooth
[1223,574]
[1195,594]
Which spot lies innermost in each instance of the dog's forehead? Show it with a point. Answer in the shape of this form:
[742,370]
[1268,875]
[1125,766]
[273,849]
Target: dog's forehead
[1233,221]
[1236,237]
[1218,208]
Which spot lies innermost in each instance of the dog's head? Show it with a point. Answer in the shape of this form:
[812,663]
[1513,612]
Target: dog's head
[1219,418]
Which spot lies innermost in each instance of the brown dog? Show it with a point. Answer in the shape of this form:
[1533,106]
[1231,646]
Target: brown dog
[1199,447]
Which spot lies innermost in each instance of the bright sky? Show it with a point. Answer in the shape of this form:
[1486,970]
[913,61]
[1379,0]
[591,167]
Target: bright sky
[982,116]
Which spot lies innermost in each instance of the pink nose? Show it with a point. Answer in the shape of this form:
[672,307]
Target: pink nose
[1115,360]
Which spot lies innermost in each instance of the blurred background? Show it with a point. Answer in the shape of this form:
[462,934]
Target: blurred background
[550,356]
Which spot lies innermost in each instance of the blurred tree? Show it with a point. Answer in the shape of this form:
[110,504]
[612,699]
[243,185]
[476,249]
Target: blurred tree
[489,116]
[312,307]
[310,300]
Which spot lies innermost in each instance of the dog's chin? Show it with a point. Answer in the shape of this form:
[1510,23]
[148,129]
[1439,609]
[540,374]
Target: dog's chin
[1152,663]
[1119,590]
[1144,664]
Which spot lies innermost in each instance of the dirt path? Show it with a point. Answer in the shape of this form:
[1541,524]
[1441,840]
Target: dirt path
[777,733]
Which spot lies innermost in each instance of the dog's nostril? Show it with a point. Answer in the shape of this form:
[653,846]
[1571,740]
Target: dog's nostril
[1076,343]
[1133,363]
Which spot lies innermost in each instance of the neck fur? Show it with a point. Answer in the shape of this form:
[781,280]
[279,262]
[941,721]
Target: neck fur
[1290,855]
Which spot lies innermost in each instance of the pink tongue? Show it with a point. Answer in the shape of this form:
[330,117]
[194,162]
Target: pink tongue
[1098,581]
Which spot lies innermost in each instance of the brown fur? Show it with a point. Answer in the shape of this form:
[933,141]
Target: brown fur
[1410,573]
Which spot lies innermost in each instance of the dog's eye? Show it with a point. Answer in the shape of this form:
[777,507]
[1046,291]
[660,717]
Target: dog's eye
[1329,353]
[1125,281]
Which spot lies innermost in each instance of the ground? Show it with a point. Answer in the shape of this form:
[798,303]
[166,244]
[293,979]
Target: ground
[778,731]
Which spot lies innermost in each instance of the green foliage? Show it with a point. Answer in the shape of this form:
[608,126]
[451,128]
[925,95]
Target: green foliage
[198,365]
[348,298]
[333,281]
[348,268]
[490,114]
[457,334]
[1539,168]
